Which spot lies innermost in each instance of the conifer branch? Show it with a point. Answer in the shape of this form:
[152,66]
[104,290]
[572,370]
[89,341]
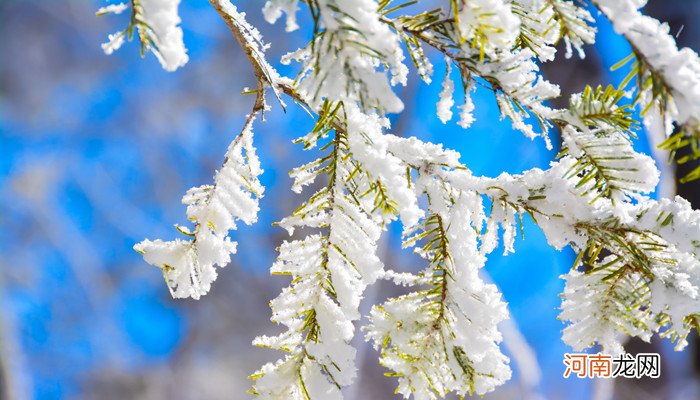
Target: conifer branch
[667,78]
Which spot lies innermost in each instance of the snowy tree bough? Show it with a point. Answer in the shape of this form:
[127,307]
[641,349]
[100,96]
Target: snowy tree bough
[638,267]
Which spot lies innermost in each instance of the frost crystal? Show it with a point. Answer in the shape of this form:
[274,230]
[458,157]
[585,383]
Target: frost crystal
[444,106]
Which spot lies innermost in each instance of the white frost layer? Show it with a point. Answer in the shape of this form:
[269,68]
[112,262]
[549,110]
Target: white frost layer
[163,18]
[113,9]
[273,10]
[370,147]
[466,113]
[444,105]
[563,213]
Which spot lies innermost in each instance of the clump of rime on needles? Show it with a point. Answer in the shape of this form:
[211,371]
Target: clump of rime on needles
[638,267]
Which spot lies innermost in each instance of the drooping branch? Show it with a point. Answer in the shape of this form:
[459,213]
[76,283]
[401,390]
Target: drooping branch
[188,266]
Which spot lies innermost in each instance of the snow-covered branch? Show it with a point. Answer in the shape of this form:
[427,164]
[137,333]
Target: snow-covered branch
[443,337]
[156,24]
[667,78]
[189,265]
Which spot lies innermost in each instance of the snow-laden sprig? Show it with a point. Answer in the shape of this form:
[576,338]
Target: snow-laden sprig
[466,113]
[667,78]
[539,30]
[574,25]
[545,22]
[597,130]
[189,265]
[520,91]
[678,70]
[511,72]
[331,270]
[648,283]
[489,26]
[599,304]
[156,23]
[444,338]
[641,257]
[638,268]
[341,63]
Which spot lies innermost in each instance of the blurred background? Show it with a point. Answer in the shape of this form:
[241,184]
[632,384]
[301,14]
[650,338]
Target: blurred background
[96,151]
